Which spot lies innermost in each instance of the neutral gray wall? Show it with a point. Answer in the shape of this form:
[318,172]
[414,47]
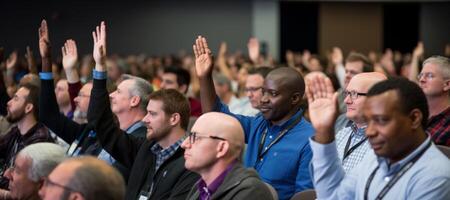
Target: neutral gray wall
[154,27]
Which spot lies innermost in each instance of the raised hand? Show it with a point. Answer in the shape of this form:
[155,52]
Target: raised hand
[336,56]
[30,61]
[70,59]
[322,106]
[418,51]
[70,54]
[99,52]
[203,57]
[253,49]
[11,61]
[44,41]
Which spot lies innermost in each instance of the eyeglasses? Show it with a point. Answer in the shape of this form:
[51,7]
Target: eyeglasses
[48,183]
[192,136]
[83,95]
[353,94]
[426,75]
[252,89]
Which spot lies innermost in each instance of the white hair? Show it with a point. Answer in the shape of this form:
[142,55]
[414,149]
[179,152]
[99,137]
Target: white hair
[44,158]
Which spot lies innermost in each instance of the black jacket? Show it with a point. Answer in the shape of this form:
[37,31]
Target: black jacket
[171,181]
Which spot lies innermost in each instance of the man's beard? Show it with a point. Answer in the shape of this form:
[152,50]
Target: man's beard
[11,118]
[79,116]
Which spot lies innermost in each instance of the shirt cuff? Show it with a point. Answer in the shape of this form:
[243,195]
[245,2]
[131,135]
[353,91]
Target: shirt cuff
[46,75]
[323,152]
[98,75]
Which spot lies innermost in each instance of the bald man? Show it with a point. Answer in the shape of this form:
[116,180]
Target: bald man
[278,135]
[84,178]
[351,140]
[212,150]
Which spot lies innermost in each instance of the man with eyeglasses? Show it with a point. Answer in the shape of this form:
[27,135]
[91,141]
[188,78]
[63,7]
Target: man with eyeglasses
[279,135]
[434,79]
[31,165]
[83,178]
[212,149]
[254,84]
[351,141]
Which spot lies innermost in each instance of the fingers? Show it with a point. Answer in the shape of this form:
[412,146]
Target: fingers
[103,32]
[196,53]
[94,37]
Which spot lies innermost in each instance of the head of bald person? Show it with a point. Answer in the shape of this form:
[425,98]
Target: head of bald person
[356,92]
[282,94]
[85,178]
[215,141]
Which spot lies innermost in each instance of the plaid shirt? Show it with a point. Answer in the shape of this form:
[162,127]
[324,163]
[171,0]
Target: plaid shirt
[164,154]
[439,128]
[356,135]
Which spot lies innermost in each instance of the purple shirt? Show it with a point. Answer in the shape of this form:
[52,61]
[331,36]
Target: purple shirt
[207,191]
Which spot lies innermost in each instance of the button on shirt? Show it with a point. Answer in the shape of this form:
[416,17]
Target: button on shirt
[285,165]
[428,178]
[356,135]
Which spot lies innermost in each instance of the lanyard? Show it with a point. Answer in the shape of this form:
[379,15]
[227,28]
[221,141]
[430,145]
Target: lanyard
[262,152]
[395,178]
[347,151]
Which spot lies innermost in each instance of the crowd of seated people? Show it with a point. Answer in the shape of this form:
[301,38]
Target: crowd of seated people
[222,125]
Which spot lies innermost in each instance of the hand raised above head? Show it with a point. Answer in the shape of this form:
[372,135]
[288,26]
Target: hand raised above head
[322,106]
[44,41]
[69,54]
[11,61]
[203,57]
[99,52]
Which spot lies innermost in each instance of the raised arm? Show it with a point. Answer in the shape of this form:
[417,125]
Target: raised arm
[49,113]
[204,68]
[416,56]
[115,141]
[253,50]
[70,60]
[32,68]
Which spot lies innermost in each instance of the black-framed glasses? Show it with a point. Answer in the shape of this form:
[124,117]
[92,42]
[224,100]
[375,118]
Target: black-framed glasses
[354,94]
[192,136]
[49,183]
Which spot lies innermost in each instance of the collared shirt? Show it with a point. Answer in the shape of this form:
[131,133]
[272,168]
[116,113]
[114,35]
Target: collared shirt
[163,154]
[285,165]
[356,135]
[106,156]
[439,128]
[206,191]
[428,178]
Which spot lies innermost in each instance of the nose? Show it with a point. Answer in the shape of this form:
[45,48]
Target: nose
[348,100]
[42,191]
[264,97]
[370,130]
[8,174]
[112,94]
[185,144]
[146,119]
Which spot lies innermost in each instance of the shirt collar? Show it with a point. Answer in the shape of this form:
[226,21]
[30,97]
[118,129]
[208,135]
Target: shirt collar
[290,120]
[135,126]
[384,162]
[206,191]
[156,148]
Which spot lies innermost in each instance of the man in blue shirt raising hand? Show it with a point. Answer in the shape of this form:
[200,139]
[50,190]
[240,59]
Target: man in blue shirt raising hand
[277,139]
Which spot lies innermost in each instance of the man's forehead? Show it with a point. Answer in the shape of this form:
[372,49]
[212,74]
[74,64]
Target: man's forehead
[382,103]
[22,92]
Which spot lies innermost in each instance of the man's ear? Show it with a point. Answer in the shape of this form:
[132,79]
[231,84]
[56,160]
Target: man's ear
[416,117]
[175,119]
[135,101]
[222,148]
[447,85]
[296,98]
[76,196]
[29,108]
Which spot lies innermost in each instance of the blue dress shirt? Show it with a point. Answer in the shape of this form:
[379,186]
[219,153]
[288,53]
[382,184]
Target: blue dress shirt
[285,165]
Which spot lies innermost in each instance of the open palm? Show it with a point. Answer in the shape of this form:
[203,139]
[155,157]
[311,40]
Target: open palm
[44,41]
[203,57]
[70,54]
[99,52]
[322,103]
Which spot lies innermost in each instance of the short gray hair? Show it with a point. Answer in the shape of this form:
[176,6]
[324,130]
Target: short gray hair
[44,158]
[140,88]
[442,62]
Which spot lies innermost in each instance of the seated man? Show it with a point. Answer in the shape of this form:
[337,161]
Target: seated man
[156,164]
[351,140]
[434,79]
[23,111]
[278,135]
[404,163]
[212,150]
[83,178]
[31,166]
